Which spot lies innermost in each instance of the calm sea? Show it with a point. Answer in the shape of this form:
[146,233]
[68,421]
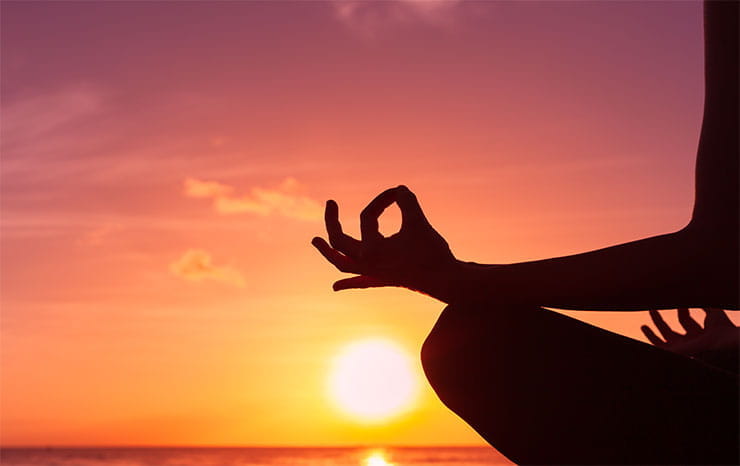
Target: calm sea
[396,456]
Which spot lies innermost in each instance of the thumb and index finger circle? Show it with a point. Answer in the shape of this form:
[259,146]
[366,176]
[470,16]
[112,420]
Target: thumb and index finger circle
[411,212]
[371,213]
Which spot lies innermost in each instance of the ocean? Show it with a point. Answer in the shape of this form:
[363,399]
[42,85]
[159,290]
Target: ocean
[392,456]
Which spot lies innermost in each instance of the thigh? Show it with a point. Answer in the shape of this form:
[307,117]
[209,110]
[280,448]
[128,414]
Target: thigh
[544,388]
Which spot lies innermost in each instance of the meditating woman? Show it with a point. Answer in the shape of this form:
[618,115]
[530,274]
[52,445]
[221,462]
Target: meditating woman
[545,388]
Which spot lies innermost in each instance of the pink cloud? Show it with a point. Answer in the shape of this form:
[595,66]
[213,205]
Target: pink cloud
[285,200]
[206,189]
[97,235]
[371,18]
[196,265]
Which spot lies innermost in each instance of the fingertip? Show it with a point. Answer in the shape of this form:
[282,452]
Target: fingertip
[316,241]
[403,189]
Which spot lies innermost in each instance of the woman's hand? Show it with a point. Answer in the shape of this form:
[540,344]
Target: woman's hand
[717,343]
[416,257]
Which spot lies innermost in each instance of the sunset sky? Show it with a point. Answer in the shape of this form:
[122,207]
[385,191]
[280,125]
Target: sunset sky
[165,164]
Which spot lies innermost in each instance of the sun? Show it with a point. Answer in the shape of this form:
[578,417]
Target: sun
[373,380]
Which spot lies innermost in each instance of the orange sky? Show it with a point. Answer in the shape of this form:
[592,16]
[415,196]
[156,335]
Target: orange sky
[164,167]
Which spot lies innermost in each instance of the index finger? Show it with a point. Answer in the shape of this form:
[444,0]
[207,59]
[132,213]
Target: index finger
[370,214]
[662,326]
[411,211]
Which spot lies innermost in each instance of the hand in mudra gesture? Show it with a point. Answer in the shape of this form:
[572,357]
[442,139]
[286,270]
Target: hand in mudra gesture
[416,257]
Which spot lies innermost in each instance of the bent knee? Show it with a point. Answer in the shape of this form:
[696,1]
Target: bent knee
[470,345]
[435,352]
[441,356]
[452,351]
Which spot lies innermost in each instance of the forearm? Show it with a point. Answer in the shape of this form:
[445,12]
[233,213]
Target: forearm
[680,269]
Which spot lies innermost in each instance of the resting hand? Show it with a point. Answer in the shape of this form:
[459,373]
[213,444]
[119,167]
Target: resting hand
[416,257]
[717,343]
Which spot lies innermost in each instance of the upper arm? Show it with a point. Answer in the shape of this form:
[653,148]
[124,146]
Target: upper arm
[717,205]
[715,223]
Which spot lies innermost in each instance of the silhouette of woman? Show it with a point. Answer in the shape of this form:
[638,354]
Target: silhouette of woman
[544,388]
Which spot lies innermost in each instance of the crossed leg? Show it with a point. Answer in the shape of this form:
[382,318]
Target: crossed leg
[543,388]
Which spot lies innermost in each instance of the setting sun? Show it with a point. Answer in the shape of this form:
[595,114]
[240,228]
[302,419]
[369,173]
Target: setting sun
[373,380]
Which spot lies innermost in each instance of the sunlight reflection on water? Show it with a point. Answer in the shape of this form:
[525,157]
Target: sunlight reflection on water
[377,459]
[266,456]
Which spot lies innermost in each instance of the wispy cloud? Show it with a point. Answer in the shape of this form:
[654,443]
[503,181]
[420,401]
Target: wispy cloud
[285,200]
[97,235]
[372,18]
[35,117]
[206,189]
[196,265]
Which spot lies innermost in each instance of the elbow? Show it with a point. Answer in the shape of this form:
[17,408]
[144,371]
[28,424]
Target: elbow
[713,263]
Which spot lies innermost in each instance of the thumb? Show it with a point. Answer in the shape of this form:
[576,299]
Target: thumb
[360,281]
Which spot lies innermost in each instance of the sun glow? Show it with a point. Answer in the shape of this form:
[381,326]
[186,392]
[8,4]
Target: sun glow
[373,380]
[377,459]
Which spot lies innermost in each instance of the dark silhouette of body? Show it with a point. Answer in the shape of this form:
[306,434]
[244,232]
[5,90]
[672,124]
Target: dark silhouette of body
[547,389]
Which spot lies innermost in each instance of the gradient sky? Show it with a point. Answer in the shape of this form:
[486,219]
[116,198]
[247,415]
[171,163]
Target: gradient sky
[164,167]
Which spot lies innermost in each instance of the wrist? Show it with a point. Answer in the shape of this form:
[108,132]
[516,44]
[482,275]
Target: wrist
[469,282]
